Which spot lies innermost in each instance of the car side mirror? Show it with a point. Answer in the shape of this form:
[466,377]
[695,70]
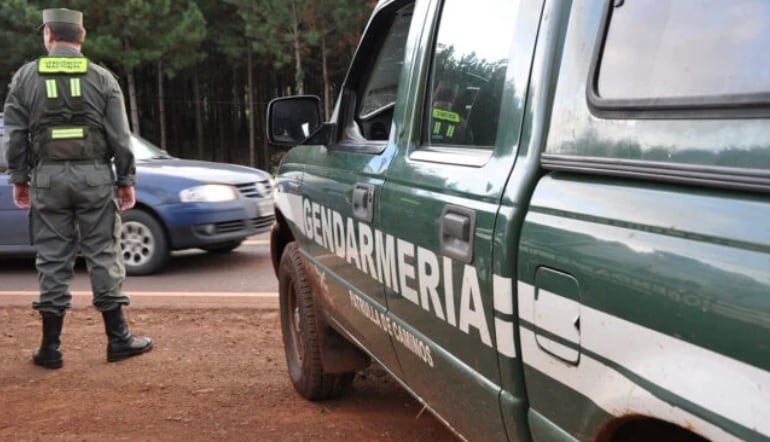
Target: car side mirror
[291,120]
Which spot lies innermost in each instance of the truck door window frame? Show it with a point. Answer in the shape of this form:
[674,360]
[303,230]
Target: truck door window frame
[446,130]
[366,130]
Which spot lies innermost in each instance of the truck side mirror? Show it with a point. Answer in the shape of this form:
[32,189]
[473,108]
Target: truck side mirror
[291,120]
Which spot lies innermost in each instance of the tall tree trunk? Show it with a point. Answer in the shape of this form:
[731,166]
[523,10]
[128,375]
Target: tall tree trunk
[172,130]
[198,113]
[252,147]
[221,116]
[236,89]
[133,102]
[161,106]
[325,69]
[299,74]
[262,91]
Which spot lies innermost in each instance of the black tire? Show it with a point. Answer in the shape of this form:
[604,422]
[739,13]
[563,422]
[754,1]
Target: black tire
[301,336]
[225,247]
[144,243]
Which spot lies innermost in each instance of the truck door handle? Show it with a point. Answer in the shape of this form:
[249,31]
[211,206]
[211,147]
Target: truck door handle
[363,202]
[458,226]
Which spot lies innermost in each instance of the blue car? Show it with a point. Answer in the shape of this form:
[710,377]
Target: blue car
[180,204]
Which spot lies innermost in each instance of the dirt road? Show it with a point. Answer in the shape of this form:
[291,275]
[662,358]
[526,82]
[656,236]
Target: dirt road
[214,374]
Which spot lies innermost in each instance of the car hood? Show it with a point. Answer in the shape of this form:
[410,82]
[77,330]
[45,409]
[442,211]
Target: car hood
[203,171]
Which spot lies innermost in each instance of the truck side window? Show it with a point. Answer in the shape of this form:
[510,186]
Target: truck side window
[468,73]
[662,91]
[680,51]
[377,97]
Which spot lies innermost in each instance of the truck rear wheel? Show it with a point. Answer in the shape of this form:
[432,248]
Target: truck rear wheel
[301,335]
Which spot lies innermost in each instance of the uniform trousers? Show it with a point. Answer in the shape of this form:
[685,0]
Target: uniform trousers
[74,211]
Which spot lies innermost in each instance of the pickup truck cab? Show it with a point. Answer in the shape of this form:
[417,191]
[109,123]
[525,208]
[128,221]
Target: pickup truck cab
[549,220]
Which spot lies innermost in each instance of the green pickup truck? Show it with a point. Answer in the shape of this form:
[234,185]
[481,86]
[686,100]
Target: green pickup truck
[547,219]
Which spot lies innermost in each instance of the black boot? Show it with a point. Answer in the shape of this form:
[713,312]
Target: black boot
[122,344]
[49,354]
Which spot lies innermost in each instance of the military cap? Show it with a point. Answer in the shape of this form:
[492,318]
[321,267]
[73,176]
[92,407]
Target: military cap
[62,15]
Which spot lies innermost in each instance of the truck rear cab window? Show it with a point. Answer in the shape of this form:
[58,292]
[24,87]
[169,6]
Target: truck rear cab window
[684,55]
[468,73]
[670,84]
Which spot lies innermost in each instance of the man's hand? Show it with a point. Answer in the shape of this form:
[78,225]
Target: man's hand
[21,196]
[126,198]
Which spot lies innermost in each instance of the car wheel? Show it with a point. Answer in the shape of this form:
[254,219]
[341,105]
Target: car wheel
[301,336]
[224,247]
[145,249]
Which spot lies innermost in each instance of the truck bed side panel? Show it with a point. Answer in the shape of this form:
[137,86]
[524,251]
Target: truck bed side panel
[673,311]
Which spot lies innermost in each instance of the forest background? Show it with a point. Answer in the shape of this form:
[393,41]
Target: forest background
[197,74]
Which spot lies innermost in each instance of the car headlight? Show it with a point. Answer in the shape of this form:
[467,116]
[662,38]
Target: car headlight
[208,193]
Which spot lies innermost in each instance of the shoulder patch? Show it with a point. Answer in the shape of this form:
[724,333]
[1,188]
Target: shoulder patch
[62,65]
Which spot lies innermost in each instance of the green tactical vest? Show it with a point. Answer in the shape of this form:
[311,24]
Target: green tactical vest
[62,132]
[444,124]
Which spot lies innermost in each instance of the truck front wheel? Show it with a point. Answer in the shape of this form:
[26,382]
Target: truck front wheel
[301,334]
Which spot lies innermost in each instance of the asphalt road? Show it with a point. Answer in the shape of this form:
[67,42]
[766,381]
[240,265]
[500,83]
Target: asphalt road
[193,278]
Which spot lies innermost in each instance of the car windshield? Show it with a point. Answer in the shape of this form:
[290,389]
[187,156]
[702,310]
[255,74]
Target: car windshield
[144,150]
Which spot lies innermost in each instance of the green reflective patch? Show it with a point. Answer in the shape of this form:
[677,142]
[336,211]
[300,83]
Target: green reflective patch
[62,65]
[75,87]
[50,89]
[67,134]
[445,115]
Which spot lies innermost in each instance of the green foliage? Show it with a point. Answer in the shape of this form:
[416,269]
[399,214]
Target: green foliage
[133,33]
[286,31]
[186,29]
[129,36]
[207,41]
[273,26]
[466,69]
[18,38]
[225,30]
[340,23]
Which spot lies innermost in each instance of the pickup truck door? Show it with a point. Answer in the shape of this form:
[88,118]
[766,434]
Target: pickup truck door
[342,182]
[452,300]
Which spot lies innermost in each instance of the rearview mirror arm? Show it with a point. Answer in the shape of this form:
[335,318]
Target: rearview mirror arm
[324,135]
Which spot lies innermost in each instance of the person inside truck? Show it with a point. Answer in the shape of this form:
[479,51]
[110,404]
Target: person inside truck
[446,122]
[482,124]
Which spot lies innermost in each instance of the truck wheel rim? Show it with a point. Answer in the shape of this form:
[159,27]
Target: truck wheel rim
[294,326]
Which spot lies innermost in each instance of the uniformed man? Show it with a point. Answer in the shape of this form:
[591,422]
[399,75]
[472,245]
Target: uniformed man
[65,122]
[445,120]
